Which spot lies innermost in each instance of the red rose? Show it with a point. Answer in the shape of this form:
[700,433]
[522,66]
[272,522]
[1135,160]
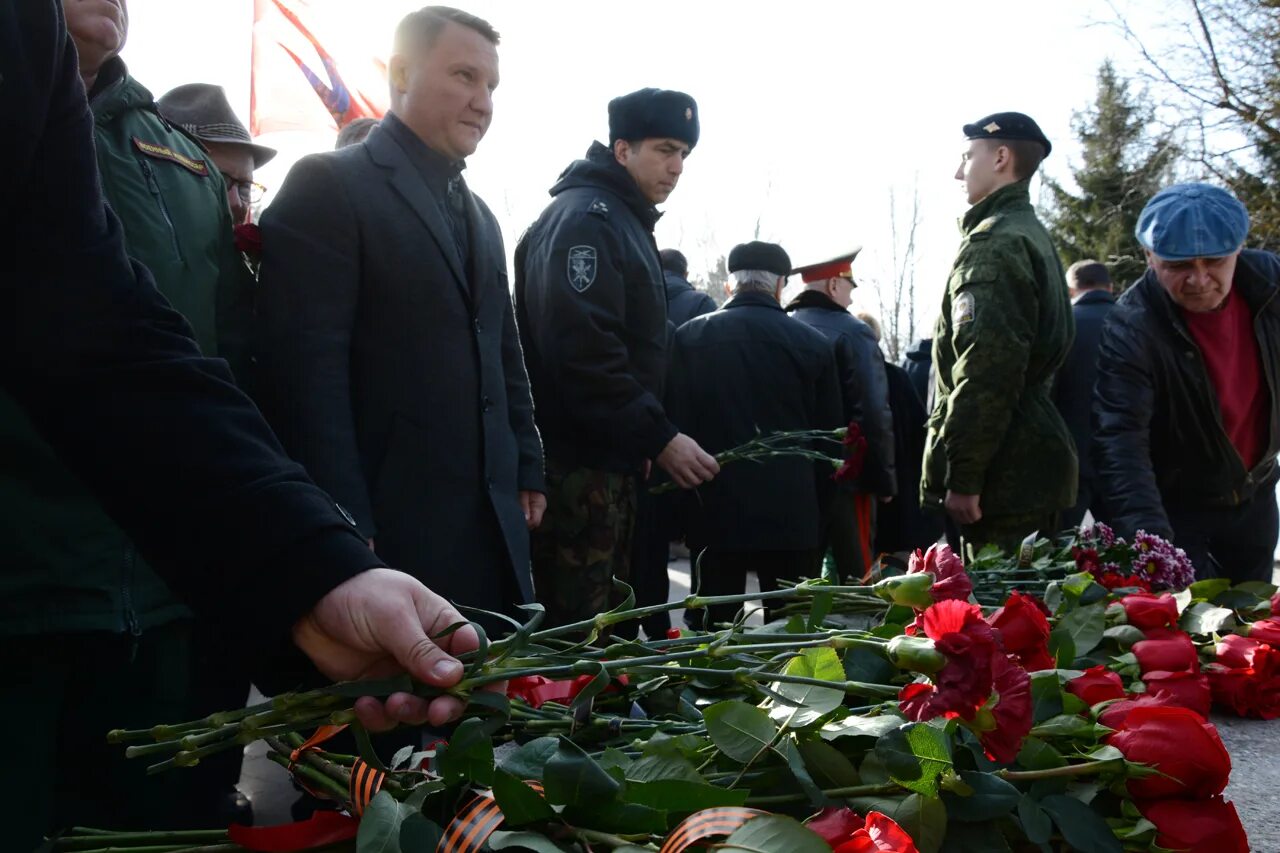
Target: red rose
[1114,715]
[1184,689]
[1239,652]
[1266,631]
[248,239]
[1024,630]
[848,833]
[1275,605]
[1146,610]
[1011,713]
[1166,650]
[1181,745]
[1097,684]
[1204,826]
[835,824]
[963,685]
[950,580]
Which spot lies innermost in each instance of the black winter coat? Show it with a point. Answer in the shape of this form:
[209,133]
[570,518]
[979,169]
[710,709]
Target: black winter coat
[1073,386]
[683,301]
[1158,435]
[744,369]
[592,311]
[864,385]
[392,369]
[918,362]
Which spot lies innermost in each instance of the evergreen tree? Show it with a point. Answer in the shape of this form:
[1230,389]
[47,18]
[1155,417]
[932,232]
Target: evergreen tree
[1122,168]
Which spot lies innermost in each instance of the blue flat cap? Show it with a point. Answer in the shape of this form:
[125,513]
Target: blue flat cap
[1192,221]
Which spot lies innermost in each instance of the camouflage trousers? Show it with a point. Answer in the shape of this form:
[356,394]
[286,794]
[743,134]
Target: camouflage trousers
[584,541]
[1006,532]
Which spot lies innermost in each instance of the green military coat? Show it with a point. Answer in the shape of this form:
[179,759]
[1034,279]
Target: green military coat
[1005,327]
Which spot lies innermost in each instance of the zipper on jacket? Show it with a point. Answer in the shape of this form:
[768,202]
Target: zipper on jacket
[126,602]
[154,185]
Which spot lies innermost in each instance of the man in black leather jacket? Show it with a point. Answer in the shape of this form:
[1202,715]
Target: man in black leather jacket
[865,392]
[1186,408]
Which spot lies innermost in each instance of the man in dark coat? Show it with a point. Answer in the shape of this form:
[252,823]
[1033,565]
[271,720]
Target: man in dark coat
[824,305]
[85,338]
[918,362]
[747,369]
[592,311]
[389,360]
[1186,408]
[683,301]
[1091,301]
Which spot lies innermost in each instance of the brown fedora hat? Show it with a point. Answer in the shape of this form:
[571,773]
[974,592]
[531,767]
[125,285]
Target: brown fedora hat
[203,110]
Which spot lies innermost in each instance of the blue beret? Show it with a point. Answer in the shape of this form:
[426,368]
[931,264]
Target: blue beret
[756,255]
[654,114]
[1192,221]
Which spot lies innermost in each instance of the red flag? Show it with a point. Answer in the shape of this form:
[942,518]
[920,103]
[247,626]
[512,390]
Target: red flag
[301,83]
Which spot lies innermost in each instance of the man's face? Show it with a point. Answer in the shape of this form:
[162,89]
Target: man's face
[98,27]
[978,168]
[235,162]
[840,289]
[1198,285]
[444,93]
[654,164]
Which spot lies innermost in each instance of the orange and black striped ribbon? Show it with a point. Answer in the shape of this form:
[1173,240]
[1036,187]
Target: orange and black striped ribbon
[365,785]
[321,735]
[707,823]
[472,826]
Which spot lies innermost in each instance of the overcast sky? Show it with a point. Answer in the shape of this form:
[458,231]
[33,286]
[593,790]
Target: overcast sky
[811,111]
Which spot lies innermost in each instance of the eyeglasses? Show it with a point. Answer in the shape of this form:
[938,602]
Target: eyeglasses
[250,192]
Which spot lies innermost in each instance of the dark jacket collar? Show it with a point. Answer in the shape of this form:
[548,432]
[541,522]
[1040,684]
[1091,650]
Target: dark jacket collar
[1009,197]
[115,92]
[600,170]
[675,283]
[814,299]
[1257,280]
[752,299]
[1094,297]
[436,169]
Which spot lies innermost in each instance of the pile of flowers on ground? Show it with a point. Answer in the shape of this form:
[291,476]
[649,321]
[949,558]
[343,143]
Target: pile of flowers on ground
[1071,716]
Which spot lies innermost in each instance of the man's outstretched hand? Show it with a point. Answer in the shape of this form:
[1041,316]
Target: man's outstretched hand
[378,624]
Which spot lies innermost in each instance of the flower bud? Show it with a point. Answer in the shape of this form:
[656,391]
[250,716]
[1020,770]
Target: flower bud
[917,654]
[907,590]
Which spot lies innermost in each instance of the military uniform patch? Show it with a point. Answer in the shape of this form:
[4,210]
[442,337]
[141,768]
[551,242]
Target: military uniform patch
[162,152]
[582,267]
[963,308]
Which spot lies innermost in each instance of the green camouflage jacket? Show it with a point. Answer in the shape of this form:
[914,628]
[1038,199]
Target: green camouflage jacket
[1005,327]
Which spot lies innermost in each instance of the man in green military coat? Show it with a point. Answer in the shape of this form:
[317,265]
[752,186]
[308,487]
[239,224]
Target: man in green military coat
[998,457]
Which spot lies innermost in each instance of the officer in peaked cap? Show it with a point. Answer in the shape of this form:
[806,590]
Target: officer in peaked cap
[849,529]
[1186,403]
[998,457]
[747,369]
[591,308]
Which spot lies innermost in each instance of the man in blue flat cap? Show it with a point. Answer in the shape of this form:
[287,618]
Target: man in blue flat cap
[1186,403]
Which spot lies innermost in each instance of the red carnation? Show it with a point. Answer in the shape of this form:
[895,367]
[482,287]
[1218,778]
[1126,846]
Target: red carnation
[1186,750]
[1185,689]
[1166,650]
[1025,631]
[1097,684]
[1146,610]
[950,580]
[1204,826]
[248,239]
[963,685]
[1011,712]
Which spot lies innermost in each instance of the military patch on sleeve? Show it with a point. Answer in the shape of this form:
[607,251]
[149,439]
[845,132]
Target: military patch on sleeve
[599,208]
[163,152]
[963,308]
[582,267]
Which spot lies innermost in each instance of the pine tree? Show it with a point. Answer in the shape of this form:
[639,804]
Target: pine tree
[1122,168]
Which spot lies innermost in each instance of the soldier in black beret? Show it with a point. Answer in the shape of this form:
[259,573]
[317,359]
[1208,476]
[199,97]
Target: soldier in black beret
[592,313]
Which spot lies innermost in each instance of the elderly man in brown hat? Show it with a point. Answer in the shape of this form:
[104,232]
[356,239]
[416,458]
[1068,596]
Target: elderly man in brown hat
[202,110]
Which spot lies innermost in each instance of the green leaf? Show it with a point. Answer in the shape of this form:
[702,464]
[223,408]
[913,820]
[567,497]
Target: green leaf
[1038,755]
[574,778]
[1124,636]
[739,730]
[1085,626]
[772,834]
[380,826]
[682,797]
[975,838]
[1036,824]
[828,764]
[534,841]
[992,798]
[520,804]
[812,701]
[468,755]
[859,726]
[417,833]
[1046,695]
[1082,827]
[787,749]
[1207,590]
[616,817]
[872,770]
[915,755]
[615,758]
[599,681]
[655,768]
[1074,586]
[402,755]
[1261,589]
[1105,753]
[1065,725]
[528,761]
[923,818]
[1205,618]
[1062,647]
[863,664]
[818,610]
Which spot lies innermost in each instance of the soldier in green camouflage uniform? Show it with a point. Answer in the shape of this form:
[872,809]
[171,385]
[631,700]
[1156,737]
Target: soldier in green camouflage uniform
[999,458]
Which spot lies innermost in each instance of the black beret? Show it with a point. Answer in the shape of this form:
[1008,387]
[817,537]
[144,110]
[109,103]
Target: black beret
[1008,126]
[654,114]
[755,255]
